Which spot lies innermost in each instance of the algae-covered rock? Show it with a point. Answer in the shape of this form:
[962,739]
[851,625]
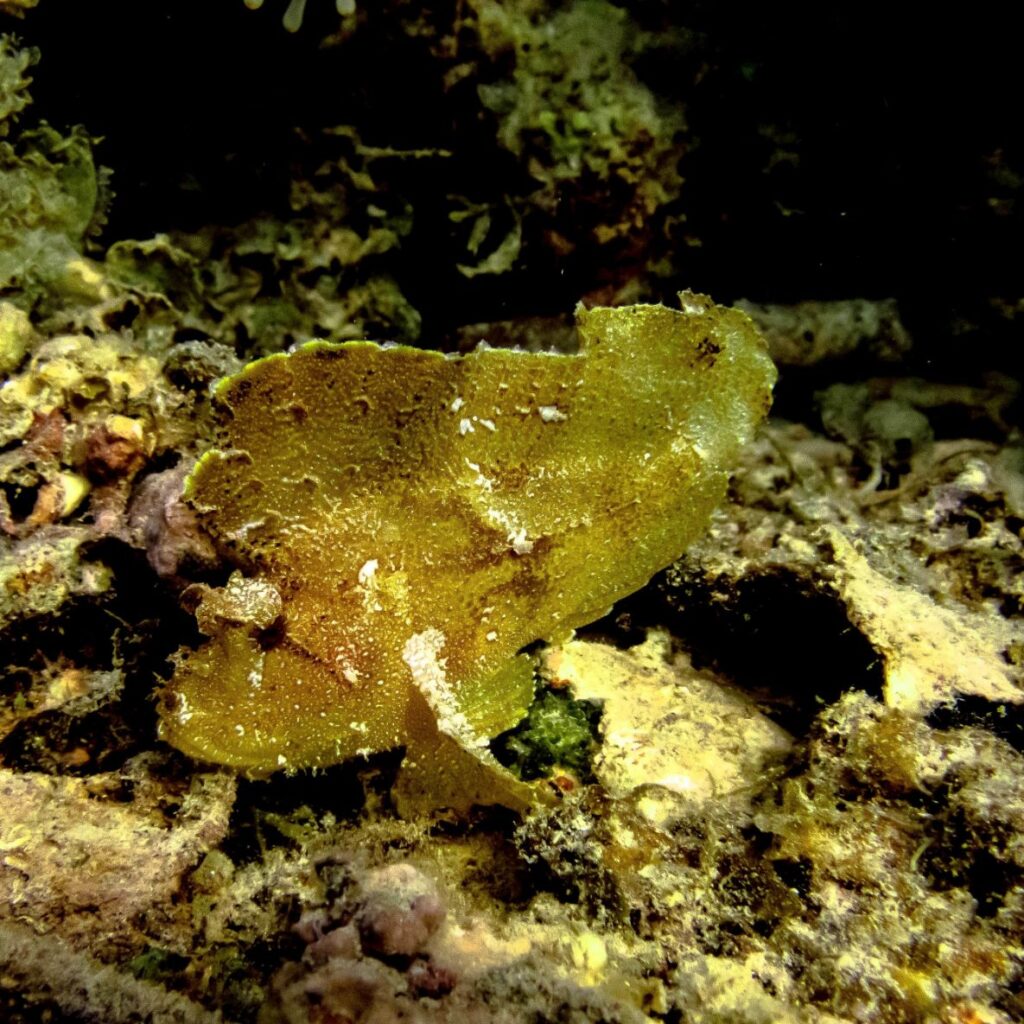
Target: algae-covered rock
[423,518]
[16,335]
[810,333]
[279,280]
[574,111]
[50,196]
[53,197]
[130,856]
[38,574]
[14,81]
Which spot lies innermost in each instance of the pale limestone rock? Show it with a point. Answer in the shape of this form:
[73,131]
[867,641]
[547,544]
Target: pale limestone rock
[667,724]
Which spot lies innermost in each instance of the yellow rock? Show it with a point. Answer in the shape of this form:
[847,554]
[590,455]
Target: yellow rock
[667,725]
[16,335]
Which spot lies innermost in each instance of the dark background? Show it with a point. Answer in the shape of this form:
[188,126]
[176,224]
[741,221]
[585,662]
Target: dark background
[907,124]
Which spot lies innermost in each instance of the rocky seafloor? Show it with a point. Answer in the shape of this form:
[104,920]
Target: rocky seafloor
[783,780]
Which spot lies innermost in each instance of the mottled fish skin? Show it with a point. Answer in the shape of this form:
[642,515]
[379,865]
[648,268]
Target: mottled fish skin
[405,522]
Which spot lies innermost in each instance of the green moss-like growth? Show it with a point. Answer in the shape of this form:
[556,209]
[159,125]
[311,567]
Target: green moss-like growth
[52,196]
[558,732]
[14,81]
[574,113]
[407,522]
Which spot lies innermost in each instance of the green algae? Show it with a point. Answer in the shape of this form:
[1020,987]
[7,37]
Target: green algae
[558,733]
[53,197]
[405,523]
[570,107]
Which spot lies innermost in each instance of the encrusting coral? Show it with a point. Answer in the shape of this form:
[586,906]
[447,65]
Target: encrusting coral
[407,522]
